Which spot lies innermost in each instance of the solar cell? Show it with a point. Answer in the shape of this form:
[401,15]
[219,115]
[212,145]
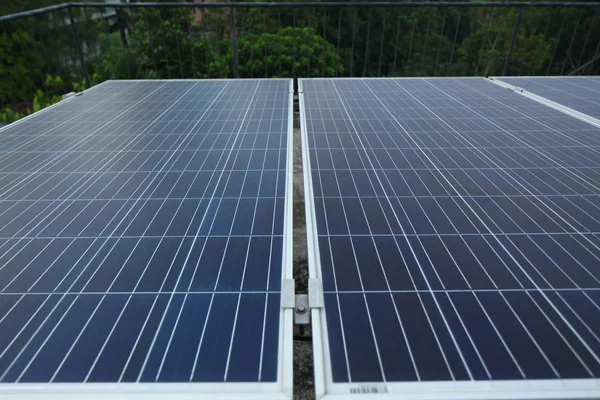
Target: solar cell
[455,228]
[143,231]
[580,93]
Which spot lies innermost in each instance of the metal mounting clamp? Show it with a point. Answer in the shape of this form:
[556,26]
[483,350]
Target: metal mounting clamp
[315,293]
[302,310]
[301,303]
[288,293]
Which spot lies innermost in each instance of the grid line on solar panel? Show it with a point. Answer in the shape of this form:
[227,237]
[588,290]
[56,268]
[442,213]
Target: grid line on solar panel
[578,93]
[145,259]
[383,229]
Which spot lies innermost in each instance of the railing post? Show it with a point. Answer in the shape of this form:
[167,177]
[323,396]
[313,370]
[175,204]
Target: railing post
[78,44]
[236,72]
[513,40]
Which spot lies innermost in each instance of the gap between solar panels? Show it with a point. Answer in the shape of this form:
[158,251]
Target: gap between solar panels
[145,243]
[454,226]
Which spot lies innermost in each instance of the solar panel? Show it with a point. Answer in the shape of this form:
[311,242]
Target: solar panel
[454,226]
[580,93]
[144,236]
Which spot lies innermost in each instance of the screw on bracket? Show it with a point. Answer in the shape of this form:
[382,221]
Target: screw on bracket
[301,309]
[301,314]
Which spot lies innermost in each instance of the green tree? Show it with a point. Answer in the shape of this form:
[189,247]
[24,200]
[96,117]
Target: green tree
[290,50]
[485,51]
[161,39]
[166,42]
[19,70]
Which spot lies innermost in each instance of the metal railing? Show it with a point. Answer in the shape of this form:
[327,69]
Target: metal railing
[74,45]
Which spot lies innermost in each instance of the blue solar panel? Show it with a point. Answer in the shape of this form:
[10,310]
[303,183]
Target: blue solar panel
[142,234]
[581,93]
[457,230]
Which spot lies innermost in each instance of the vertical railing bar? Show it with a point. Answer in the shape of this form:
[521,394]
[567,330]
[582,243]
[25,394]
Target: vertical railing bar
[533,31]
[324,39]
[96,52]
[37,34]
[410,43]
[54,70]
[78,44]
[353,41]
[61,57]
[193,69]
[536,31]
[250,67]
[437,57]
[547,24]
[3,31]
[468,48]
[562,24]
[124,43]
[3,104]
[278,30]
[497,40]
[454,41]
[244,18]
[162,33]
[152,52]
[382,41]
[367,44]
[339,36]
[585,42]
[205,40]
[568,53]
[179,56]
[425,43]
[476,72]
[265,47]
[308,58]
[236,72]
[536,20]
[513,40]
[396,46]
[295,44]
[27,30]
[13,101]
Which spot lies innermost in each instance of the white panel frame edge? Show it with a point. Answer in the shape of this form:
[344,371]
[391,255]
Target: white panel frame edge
[326,389]
[62,101]
[282,389]
[319,324]
[542,100]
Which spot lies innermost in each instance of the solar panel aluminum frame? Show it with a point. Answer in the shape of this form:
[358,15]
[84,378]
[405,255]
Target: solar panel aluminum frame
[326,389]
[282,389]
[542,100]
[43,110]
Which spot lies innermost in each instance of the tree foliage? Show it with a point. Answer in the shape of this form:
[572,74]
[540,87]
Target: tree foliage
[21,63]
[289,51]
[485,51]
[168,43]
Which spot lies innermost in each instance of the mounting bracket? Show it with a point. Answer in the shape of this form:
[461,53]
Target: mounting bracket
[302,303]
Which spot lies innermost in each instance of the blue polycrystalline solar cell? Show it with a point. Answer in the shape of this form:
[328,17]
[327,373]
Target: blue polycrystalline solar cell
[458,231]
[581,93]
[141,234]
